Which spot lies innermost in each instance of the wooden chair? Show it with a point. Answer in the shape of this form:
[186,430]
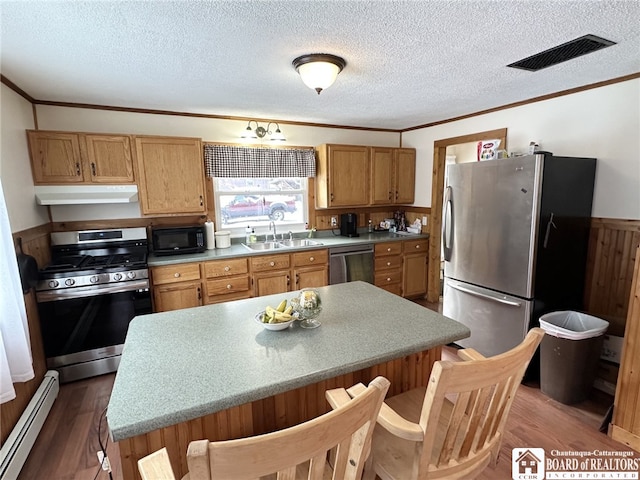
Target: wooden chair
[296,452]
[453,427]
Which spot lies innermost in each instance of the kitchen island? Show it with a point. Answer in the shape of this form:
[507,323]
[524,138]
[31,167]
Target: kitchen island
[214,372]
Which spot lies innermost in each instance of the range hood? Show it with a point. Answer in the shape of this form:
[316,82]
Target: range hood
[85,194]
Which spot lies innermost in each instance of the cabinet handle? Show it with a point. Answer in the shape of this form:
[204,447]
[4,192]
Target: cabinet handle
[297,279]
[288,280]
[229,286]
[201,200]
[389,249]
[311,259]
[388,279]
[390,195]
[418,246]
[226,269]
[199,294]
[331,196]
[273,264]
[78,168]
[93,169]
[388,264]
[177,275]
[396,195]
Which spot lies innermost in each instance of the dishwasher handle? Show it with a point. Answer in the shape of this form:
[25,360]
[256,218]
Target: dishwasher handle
[351,250]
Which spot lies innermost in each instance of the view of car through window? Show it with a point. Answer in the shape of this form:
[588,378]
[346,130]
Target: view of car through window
[242,202]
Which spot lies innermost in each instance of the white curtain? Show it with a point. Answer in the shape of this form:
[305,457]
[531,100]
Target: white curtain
[15,351]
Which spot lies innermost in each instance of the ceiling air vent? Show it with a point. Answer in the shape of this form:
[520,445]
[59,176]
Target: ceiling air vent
[562,53]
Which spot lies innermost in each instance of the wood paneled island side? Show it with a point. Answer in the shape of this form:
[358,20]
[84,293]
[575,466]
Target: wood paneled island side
[213,372]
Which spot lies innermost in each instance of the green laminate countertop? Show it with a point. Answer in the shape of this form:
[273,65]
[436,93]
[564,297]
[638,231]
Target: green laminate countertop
[184,364]
[238,250]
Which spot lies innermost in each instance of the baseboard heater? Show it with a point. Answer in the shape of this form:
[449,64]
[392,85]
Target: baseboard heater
[16,449]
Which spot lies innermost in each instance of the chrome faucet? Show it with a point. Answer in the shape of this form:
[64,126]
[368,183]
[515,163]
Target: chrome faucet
[272,224]
[290,235]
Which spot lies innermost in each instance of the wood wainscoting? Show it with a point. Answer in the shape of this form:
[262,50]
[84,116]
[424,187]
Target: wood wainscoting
[613,247]
[35,242]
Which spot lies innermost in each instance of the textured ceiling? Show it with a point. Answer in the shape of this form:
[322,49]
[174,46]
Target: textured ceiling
[408,63]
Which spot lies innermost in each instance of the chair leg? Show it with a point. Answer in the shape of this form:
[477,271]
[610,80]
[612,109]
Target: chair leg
[369,472]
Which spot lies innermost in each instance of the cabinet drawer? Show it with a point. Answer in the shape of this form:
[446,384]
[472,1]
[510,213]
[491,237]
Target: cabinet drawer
[220,286]
[175,273]
[411,246]
[221,268]
[395,288]
[389,248]
[313,257]
[387,278]
[269,262]
[388,263]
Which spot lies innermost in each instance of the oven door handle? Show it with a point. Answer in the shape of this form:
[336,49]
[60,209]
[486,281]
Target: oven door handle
[91,291]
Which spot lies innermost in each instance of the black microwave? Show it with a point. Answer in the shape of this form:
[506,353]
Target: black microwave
[177,240]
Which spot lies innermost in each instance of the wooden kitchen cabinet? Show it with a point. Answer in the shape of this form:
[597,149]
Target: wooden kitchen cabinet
[388,264]
[414,277]
[170,175]
[310,269]
[176,286]
[226,280]
[393,173]
[80,158]
[271,274]
[342,178]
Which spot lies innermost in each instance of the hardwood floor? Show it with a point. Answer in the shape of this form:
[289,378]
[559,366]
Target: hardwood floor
[67,445]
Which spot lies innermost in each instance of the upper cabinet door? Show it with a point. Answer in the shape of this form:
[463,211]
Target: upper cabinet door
[382,171]
[109,158]
[405,175]
[66,157]
[55,157]
[170,175]
[342,176]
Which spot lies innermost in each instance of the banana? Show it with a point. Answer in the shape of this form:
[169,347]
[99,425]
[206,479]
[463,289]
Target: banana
[282,306]
[282,317]
[288,310]
[270,311]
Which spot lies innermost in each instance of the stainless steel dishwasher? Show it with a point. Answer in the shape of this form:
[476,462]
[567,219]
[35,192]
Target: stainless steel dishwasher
[348,264]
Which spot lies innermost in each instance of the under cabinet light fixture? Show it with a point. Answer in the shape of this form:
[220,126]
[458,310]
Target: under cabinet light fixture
[319,70]
[261,132]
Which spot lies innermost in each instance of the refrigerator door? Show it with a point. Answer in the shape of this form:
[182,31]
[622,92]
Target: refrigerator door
[497,322]
[490,223]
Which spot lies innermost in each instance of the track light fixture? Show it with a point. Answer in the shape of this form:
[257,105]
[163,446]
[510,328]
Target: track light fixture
[319,70]
[261,132]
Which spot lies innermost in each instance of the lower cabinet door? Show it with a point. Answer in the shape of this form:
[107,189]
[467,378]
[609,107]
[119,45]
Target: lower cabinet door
[174,296]
[310,277]
[268,283]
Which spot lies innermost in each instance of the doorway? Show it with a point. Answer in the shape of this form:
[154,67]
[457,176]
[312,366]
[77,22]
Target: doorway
[437,182]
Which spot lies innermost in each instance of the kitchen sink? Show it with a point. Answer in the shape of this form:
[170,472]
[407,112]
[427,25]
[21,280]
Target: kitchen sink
[300,242]
[259,246]
[296,242]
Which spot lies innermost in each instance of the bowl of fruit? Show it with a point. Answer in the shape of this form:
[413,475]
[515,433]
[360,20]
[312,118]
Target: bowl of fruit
[279,318]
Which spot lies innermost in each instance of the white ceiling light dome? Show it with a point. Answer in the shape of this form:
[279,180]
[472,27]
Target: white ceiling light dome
[319,70]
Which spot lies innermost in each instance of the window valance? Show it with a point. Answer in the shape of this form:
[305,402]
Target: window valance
[235,161]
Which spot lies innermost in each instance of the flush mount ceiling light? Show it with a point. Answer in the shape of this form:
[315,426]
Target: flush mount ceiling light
[319,70]
[261,132]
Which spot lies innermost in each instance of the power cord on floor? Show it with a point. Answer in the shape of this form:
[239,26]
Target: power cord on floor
[104,461]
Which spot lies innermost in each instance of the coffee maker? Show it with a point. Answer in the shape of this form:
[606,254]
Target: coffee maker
[349,225]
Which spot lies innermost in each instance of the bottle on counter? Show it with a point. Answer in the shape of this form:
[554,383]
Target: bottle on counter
[253,238]
[370,227]
[247,234]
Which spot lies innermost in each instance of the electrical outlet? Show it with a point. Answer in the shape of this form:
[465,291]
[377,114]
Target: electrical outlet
[424,221]
[334,221]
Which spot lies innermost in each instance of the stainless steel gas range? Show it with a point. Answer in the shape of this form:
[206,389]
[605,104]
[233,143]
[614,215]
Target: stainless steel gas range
[96,283]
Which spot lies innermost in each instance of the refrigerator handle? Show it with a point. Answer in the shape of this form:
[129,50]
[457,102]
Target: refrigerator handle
[484,295]
[447,224]
[549,225]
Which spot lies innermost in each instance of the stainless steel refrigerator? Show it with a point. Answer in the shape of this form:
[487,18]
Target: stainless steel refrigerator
[515,238]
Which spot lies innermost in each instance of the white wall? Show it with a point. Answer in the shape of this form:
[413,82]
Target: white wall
[602,123]
[212,130]
[15,170]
